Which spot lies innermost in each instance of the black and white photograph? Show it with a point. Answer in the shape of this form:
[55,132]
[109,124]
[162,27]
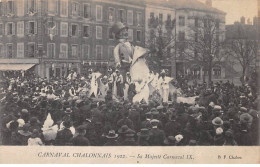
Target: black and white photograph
[139,73]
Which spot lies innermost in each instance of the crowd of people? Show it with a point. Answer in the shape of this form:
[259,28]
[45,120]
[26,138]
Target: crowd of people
[35,111]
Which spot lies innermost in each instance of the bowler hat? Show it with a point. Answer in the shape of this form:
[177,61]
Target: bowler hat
[111,134]
[217,121]
[117,27]
[68,111]
[123,129]
[246,118]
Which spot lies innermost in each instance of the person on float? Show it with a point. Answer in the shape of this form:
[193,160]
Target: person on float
[94,83]
[164,86]
[119,84]
[128,82]
[111,78]
[103,86]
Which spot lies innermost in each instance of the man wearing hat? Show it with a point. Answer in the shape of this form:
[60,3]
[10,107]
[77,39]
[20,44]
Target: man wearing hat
[143,137]
[80,139]
[64,136]
[156,135]
[124,51]
[111,139]
[147,123]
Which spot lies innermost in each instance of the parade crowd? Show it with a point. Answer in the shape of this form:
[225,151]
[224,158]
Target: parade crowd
[37,111]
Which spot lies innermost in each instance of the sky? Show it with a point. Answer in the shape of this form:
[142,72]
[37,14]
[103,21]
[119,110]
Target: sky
[236,8]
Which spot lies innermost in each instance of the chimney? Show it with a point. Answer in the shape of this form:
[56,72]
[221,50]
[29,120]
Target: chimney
[209,3]
[243,20]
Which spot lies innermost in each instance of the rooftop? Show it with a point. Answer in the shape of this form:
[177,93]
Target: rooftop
[185,4]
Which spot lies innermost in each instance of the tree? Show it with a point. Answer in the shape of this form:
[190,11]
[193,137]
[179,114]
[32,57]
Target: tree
[243,50]
[204,44]
[160,41]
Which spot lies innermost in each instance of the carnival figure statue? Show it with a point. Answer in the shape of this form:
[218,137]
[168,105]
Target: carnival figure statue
[129,58]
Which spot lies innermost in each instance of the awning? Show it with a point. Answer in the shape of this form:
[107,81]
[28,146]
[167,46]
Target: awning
[15,67]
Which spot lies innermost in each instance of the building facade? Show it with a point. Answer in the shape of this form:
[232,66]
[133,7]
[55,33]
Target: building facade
[179,19]
[75,35]
[66,34]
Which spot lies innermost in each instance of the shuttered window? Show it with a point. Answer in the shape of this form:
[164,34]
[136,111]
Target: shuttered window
[9,51]
[130,17]
[64,8]
[99,13]
[31,49]
[63,51]
[99,50]
[20,50]
[51,50]
[64,29]
[98,32]
[20,28]
[85,51]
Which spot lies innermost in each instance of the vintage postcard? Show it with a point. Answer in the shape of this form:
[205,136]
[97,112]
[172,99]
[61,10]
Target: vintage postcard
[129,81]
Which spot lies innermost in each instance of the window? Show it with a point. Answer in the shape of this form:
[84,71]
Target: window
[111,53]
[98,32]
[111,35]
[20,28]
[20,8]
[130,35]
[217,71]
[169,17]
[32,27]
[160,18]
[86,11]
[86,31]
[139,18]
[9,51]
[53,28]
[121,15]
[20,50]
[10,6]
[85,51]
[138,35]
[64,8]
[99,49]
[74,51]
[1,50]
[181,36]
[64,29]
[63,51]
[31,6]
[74,30]
[10,29]
[31,49]
[1,29]
[111,15]
[52,7]
[99,13]
[51,50]
[181,21]
[75,9]
[130,17]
